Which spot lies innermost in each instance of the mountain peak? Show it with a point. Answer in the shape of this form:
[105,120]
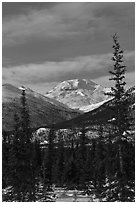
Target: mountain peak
[75,84]
[76,93]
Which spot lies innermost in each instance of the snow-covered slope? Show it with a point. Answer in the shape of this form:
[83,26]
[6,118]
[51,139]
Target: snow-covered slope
[93,106]
[80,94]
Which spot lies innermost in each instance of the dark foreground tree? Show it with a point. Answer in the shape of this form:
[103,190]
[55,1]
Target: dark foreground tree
[83,158]
[99,160]
[121,123]
[5,156]
[22,157]
[59,171]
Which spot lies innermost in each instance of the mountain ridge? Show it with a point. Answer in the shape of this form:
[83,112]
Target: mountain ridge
[42,110]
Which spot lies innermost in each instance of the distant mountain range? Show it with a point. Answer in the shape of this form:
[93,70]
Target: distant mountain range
[43,110]
[46,110]
[82,94]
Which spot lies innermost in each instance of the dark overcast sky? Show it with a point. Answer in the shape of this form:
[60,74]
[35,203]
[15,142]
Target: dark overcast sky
[44,43]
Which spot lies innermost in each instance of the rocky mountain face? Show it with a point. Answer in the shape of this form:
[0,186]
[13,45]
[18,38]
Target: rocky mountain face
[82,94]
[43,110]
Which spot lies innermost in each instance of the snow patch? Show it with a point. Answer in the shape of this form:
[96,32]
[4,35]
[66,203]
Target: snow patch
[97,86]
[75,83]
[107,89]
[22,88]
[80,93]
[93,106]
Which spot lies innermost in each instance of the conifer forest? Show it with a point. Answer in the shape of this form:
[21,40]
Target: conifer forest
[90,157]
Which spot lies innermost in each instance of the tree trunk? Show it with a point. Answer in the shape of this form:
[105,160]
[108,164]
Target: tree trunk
[120,158]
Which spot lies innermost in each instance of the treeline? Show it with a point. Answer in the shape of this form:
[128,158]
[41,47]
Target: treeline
[89,165]
[102,166]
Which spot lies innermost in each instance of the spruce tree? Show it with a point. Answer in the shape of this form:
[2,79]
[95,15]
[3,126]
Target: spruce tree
[5,155]
[28,148]
[49,160]
[83,154]
[118,91]
[21,158]
[60,167]
[99,163]
[121,122]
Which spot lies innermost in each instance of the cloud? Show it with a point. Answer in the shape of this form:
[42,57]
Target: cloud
[34,24]
[41,23]
[93,67]
[65,20]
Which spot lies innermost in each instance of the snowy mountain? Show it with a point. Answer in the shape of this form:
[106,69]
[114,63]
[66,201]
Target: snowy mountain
[83,94]
[103,113]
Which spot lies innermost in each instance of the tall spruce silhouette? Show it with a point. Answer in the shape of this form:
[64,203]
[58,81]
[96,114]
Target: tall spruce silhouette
[21,160]
[121,122]
[118,91]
